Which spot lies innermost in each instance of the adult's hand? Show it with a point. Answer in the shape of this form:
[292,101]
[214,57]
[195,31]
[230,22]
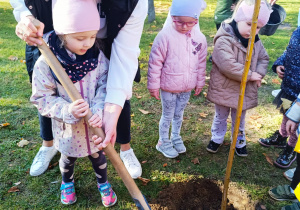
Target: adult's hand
[27,31]
[109,124]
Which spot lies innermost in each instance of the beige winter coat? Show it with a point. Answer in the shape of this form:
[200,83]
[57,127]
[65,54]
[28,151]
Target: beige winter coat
[228,65]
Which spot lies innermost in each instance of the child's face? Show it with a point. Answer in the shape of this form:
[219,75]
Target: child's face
[183,24]
[79,43]
[244,28]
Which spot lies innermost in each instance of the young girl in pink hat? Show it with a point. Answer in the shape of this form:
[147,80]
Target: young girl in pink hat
[230,48]
[76,24]
[177,65]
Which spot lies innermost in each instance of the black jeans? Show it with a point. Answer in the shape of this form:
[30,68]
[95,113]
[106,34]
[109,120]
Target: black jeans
[296,177]
[123,126]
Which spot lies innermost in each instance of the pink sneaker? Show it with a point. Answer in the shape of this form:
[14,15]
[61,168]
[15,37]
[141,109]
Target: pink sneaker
[68,195]
[108,196]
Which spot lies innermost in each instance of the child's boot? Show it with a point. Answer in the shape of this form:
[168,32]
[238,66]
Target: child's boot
[68,195]
[178,145]
[275,140]
[286,157]
[108,196]
[241,150]
[213,147]
[166,148]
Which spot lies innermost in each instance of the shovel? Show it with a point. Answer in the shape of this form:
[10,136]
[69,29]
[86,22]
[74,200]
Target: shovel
[114,158]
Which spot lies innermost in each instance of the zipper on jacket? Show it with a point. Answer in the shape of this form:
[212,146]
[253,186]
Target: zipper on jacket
[85,123]
[188,53]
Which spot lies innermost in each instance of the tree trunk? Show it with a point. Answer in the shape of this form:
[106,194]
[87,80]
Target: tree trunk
[151,11]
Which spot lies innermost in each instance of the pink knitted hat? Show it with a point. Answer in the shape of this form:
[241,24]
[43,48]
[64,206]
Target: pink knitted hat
[245,13]
[73,16]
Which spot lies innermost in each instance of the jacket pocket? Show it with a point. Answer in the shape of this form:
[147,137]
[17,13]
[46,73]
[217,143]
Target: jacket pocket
[172,81]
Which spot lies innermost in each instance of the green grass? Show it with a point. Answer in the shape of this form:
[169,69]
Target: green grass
[253,173]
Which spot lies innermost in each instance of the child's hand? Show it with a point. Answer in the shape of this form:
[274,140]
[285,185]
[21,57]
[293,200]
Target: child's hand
[79,108]
[290,127]
[280,71]
[197,91]
[95,121]
[258,83]
[97,140]
[255,77]
[155,94]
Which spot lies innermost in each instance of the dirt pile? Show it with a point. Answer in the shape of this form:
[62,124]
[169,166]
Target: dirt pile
[196,194]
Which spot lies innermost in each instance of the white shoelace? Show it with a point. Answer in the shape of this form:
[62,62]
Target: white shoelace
[130,160]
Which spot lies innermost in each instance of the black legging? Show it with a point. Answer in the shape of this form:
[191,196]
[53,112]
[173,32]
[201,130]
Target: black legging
[66,165]
[296,177]
[123,126]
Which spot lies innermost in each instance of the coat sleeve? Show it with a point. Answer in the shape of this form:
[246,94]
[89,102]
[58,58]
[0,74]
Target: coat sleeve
[156,62]
[97,104]
[20,9]
[223,56]
[202,65]
[124,57]
[45,94]
[262,62]
[294,112]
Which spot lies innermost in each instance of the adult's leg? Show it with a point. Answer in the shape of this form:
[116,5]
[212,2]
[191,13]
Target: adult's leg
[127,155]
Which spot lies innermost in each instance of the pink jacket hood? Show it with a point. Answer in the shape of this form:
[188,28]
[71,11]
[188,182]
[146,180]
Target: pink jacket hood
[177,61]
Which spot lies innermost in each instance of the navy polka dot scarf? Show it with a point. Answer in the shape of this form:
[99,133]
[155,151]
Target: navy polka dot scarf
[76,69]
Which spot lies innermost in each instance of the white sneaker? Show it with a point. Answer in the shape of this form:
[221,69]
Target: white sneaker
[131,163]
[41,161]
[289,174]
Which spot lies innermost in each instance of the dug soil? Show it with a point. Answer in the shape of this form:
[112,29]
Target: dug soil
[199,194]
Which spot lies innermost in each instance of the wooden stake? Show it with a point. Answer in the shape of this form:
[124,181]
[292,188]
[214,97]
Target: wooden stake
[240,103]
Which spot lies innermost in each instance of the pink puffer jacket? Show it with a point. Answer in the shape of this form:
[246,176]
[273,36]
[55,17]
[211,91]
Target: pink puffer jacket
[177,61]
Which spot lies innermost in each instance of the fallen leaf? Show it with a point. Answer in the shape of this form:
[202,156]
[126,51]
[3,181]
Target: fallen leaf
[13,58]
[255,117]
[22,61]
[144,161]
[132,115]
[4,125]
[165,164]
[276,81]
[228,120]
[17,183]
[27,172]
[10,165]
[144,111]
[14,189]
[195,161]
[263,81]
[178,161]
[268,159]
[212,36]
[263,207]
[153,26]
[207,78]
[144,180]
[200,119]
[273,43]
[204,94]
[138,97]
[226,143]
[151,44]
[23,143]
[202,114]
[53,165]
